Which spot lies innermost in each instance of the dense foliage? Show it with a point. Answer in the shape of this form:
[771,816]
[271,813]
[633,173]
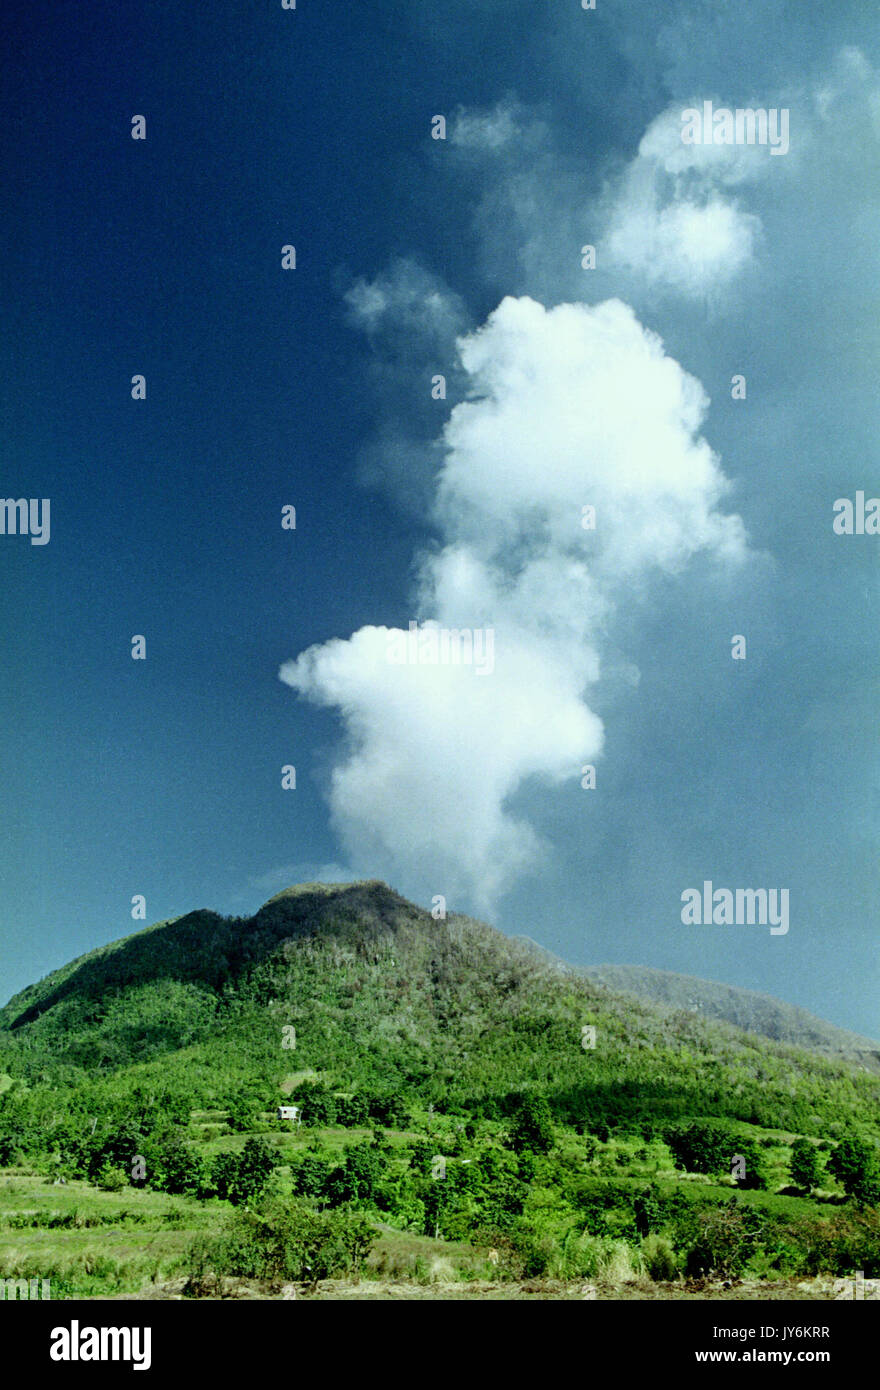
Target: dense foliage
[452,1060]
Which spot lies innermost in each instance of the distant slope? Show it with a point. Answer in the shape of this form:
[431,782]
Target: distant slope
[755,1013]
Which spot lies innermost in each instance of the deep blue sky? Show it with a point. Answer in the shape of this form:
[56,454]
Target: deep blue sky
[162,257]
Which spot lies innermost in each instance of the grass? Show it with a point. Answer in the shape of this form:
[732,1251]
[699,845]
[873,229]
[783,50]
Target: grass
[98,1243]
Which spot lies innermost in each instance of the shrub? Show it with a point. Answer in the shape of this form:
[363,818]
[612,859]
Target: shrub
[722,1242]
[111,1179]
[838,1244]
[660,1259]
[537,1253]
[201,1278]
[620,1264]
[580,1256]
[291,1241]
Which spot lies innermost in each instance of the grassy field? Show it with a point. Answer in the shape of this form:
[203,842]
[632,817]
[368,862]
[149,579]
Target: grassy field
[98,1245]
[91,1243]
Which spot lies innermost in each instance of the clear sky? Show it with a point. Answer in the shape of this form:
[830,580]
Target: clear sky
[566,386]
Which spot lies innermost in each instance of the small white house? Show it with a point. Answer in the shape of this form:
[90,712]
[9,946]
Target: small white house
[289,1112]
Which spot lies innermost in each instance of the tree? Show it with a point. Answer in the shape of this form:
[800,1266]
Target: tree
[389,1110]
[804,1166]
[356,1181]
[710,1148]
[351,1111]
[436,1198]
[647,1211]
[240,1177]
[223,1173]
[240,1114]
[175,1166]
[309,1174]
[532,1125]
[422,1156]
[526,1166]
[364,1166]
[317,1101]
[755,1168]
[854,1163]
[255,1166]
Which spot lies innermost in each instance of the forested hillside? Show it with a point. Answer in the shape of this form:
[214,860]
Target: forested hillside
[744,1008]
[450,1082]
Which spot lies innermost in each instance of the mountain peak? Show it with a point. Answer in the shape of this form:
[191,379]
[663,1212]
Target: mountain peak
[366,886]
[209,955]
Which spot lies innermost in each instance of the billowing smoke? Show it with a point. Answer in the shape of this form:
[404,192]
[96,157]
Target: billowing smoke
[568,408]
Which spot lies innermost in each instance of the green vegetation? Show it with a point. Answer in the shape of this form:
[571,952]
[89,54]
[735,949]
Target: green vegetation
[805,1165]
[757,1013]
[446,1101]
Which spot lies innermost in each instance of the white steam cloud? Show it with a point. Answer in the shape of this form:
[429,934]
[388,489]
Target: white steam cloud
[673,218]
[568,407]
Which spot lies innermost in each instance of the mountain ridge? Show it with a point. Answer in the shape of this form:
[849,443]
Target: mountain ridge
[752,1010]
[210,951]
